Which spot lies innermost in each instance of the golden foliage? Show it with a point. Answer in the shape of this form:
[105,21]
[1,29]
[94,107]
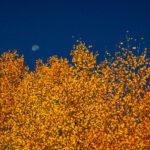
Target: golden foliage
[79,106]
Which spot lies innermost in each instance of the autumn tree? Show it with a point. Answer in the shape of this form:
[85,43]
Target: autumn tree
[83,105]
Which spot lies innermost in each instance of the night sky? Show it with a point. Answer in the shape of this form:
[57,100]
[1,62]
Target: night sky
[42,28]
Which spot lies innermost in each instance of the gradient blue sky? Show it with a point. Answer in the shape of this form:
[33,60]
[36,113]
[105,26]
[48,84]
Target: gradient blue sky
[51,25]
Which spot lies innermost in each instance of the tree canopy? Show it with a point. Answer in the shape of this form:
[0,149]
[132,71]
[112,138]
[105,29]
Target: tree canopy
[83,105]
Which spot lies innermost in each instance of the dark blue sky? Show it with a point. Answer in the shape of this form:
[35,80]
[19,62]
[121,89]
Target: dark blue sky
[51,24]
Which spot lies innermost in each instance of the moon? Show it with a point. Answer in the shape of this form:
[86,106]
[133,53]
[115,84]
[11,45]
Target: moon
[35,47]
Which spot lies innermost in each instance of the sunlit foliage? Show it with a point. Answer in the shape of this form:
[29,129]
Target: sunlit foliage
[80,106]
